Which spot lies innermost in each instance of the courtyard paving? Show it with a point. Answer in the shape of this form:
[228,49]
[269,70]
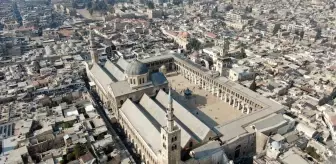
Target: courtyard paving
[203,104]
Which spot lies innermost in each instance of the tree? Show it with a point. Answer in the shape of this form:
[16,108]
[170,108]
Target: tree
[194,44]
[312,152]
[79,150]
[150,5]
[70,157]
[253,86]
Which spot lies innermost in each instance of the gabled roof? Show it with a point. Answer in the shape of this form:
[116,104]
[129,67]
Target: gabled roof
[101,76]
[159,114]
[114,70]
[142,124]
[123,64]
[187,118]
[158,78]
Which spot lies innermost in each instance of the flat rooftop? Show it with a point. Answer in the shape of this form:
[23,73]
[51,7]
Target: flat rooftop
[207,107]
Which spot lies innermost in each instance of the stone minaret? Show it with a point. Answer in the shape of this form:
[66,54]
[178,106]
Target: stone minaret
[93,53]
[170,137]
[225,48]
[170,113]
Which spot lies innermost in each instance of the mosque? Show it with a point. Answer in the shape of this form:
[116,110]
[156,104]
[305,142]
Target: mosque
[162,130]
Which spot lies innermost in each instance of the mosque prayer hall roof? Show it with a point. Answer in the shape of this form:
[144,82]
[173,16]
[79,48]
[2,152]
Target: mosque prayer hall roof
[136,68]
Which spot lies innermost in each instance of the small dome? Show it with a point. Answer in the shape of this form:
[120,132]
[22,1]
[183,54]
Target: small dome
[72,45]
[276,145]
[55,47]
[136,68]
[63,46]
[46,48]
[67,49]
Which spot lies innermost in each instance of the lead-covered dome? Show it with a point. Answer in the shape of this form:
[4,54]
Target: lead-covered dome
[136,68]
[276,145]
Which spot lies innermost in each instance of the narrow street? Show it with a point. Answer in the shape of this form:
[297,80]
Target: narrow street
[114,129]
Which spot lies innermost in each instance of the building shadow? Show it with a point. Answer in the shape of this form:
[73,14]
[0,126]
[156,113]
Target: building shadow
[192,104]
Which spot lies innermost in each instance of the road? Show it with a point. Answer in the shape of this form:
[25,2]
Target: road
[118,135]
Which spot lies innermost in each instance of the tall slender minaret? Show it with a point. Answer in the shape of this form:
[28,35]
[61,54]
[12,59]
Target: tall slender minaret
[170,113]
[170,137]
[93,53]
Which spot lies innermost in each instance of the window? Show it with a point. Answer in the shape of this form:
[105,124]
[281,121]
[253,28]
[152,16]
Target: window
[237,151]
[174,147]
[190,144]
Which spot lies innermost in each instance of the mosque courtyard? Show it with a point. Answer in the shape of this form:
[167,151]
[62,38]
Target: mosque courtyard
[203,104]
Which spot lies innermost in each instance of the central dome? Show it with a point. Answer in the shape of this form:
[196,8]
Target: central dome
[136,68]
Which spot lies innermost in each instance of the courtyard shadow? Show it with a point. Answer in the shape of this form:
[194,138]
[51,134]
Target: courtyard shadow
[193,104]
[205,118]
[199,100]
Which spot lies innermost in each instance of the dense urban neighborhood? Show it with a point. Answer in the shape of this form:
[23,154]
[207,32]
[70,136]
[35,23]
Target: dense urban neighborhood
[167,82]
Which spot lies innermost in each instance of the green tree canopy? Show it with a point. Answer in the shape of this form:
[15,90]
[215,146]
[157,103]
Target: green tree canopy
[194,44]
[79,150]
[70,157]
